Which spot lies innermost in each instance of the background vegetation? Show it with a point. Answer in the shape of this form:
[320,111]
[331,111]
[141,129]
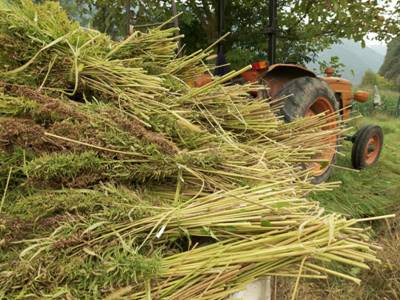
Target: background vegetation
[305,27]
[391,66]
[373,191]
[370,79]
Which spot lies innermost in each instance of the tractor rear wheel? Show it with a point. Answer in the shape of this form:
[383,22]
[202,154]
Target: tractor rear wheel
[308,96]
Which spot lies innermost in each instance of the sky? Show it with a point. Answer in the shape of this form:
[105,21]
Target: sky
[370,41]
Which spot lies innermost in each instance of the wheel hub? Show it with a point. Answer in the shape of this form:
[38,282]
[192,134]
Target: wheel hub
[372,149]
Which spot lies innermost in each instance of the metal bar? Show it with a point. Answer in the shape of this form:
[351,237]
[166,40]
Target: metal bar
[271,30]
[176,24]
[128,17]
[221,64]
[174,13]
[221,24]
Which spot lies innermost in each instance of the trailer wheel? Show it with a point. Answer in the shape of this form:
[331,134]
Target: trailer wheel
[307,96]
[367,146]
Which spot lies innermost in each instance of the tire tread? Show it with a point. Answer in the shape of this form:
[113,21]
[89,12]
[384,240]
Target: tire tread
[300,93]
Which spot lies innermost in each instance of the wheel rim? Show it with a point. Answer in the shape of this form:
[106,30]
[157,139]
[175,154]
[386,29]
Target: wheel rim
[323,105]
[372,149]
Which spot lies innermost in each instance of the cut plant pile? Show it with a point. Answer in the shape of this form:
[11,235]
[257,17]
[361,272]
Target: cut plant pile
[120,180]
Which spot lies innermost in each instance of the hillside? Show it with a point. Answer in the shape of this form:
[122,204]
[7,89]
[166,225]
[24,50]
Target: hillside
[354,57]
[380,48]
[391,66]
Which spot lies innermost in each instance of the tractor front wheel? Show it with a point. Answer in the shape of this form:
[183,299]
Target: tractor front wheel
[308,96]
[367,146]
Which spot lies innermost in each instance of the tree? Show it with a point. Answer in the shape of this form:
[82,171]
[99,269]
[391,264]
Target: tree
[115,16]
[333,62]
[305,26]
[371,79]
[391,66]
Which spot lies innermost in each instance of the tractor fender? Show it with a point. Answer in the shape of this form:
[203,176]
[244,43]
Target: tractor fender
[278,75]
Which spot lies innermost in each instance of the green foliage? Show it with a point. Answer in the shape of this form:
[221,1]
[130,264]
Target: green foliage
[15,162]
[391,66]
[111,16]
[86,168]
[16,107]
[121,267]
[305,27]
[115,202]
[335,63]
[53,202]
[390,103]
[370,79]
[59,167]
[239,57]
[117,267]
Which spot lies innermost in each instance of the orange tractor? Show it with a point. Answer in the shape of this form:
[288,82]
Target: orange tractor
[305,94]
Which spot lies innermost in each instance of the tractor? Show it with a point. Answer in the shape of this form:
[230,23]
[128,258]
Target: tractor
[305,94]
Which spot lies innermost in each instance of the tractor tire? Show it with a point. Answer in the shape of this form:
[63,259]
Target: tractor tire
[307,96]
[367,146]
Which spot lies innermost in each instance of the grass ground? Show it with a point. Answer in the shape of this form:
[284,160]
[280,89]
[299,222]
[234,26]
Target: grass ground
[373,191]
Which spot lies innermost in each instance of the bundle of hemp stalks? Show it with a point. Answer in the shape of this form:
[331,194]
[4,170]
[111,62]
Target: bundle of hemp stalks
[122,181]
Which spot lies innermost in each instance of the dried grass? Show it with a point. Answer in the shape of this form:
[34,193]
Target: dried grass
[149,187]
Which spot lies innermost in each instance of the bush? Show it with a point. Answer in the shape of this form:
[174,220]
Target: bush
[371,78]
[335,63]
[390,102]
[239,57]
